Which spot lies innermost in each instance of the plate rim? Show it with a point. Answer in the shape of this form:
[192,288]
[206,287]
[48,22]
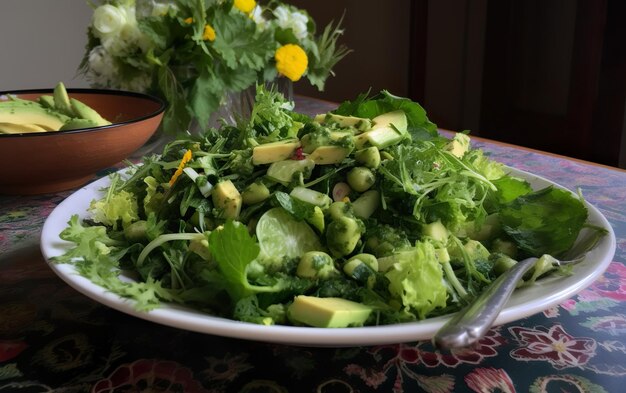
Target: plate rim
[178,316]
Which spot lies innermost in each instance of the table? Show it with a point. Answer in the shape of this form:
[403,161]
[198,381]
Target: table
[55,339]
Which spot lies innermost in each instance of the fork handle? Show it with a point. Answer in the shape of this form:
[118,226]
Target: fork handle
[471,323]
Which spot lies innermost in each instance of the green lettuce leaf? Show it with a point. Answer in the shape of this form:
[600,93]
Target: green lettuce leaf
[96,256]
[510,188]
[91,242]
[234,249]
[118,206]
[547,221]
[417,280]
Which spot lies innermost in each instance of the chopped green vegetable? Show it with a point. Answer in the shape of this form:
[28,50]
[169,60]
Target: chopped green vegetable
[410,224]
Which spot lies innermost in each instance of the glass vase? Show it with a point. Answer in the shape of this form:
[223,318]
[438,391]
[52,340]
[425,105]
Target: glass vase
[233,106]
[238,105]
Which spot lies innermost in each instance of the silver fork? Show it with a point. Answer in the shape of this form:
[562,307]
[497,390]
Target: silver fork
[471,323]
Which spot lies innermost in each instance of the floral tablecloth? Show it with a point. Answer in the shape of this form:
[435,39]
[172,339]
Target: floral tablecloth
[55,339]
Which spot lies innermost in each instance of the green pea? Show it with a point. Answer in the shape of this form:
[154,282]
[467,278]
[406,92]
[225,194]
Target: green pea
[340,209]
[361,178]
[342,235]
[316,264]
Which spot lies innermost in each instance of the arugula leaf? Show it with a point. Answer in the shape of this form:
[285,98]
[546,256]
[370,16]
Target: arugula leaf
[233,249]
[545,221]
[432,185]
[270,119]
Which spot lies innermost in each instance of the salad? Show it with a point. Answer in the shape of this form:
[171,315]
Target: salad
[362,216]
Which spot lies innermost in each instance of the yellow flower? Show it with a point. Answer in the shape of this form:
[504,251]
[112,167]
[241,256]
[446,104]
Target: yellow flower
[245,6]
[291,61]
[209,33]
[189,20]
[181,166]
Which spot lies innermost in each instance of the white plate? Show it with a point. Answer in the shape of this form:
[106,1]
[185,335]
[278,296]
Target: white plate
[524,302]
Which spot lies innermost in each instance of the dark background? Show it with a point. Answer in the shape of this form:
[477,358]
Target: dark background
[546,74]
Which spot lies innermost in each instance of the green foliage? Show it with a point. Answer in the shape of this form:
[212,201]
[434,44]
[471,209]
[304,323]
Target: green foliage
[162,48]
[545,221]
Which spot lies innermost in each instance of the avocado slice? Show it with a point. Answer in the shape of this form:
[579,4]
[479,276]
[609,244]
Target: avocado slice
[388,129]
[368,157]
[284,171]
[358,123]
[317,219]
[83,111]
[459,145]
[328,155]
[255,193]
[15,101]
[46,101]
[274,151]
[75,124]
[366,204]
[62,100]
[397,119]
[436,231]
[29,114]
[328,312]
[227,198]
[11,128]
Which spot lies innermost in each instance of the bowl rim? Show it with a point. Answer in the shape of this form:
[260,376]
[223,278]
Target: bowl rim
[160,109]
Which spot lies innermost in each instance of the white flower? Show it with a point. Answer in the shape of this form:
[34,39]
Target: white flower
[160,9]
[108,19]
[102,67]
[101,61]
[127,37]
[296,21]
[258,18]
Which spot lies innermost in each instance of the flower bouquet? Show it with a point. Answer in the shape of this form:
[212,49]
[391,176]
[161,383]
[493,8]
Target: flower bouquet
[194,52]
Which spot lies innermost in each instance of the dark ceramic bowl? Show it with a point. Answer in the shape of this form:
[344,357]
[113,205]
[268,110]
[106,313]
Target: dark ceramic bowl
[43,162]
